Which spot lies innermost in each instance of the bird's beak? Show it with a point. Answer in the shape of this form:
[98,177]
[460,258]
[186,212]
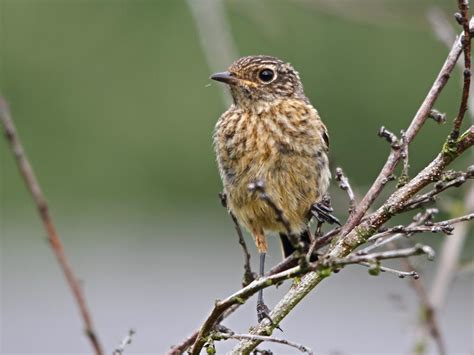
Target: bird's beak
[224,77]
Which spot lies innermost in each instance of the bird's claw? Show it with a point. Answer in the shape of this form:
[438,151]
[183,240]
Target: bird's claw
[322,212]
[263,312]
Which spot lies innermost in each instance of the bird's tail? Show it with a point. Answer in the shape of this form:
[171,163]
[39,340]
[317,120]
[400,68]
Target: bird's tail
[286,246]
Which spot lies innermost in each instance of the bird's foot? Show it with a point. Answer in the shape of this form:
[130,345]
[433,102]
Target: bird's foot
[263,312]
[322,212]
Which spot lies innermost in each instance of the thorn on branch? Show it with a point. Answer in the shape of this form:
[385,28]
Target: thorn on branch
[389,137]
[437,116]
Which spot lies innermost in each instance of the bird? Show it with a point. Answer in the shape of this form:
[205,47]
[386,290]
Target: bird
[271,137]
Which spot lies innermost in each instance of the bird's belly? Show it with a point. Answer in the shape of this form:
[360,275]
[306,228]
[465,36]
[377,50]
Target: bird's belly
[292,181]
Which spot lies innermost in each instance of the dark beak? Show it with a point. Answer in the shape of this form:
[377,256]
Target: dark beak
[224,77]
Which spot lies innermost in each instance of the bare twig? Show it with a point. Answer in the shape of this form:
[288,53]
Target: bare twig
[126,341]
[400,274]
[411,132]
[379,239]
[466,42]
[346,186]
[249,276]
[418,249]
[57,247]
[352,240]
[351,237]
[240,297]
[302,348]
[429,314]
[419,200]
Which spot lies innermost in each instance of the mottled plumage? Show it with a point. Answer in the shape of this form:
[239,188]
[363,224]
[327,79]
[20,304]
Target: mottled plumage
[272,134]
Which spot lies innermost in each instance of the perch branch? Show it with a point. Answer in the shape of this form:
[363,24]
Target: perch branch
[356,237]
[39,199]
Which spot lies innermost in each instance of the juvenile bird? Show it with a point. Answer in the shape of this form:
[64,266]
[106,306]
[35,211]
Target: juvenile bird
[273,136]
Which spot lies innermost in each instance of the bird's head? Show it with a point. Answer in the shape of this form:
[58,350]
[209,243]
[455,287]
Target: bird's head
[259,78]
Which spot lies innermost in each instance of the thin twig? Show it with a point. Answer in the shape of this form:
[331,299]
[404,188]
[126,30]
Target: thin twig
[439,187]
[249,276]
[57,247]
[418,249]
[429,314]
[240,297]
[466,41]
[378,239]
[126,341]
[399,273]
[345,245]
[346,186]
[411,132]
[300,347]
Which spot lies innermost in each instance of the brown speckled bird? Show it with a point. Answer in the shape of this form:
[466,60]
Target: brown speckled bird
[270,134]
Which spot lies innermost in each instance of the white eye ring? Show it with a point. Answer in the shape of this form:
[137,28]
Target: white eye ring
[266,75]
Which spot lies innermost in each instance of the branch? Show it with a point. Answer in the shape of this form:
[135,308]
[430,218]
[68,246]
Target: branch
[356,237]
[378,239]
[126,341]
[429,313]
[240,297]
[411,132]
[56,244]
[374,269]
[418,249]
[302,348]
[466,42]
[249,276]
[457,181]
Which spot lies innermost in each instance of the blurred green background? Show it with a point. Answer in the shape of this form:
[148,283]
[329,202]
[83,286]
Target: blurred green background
[114,105]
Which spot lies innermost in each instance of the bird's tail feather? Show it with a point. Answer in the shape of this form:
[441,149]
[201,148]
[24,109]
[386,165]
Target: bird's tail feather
[287,247]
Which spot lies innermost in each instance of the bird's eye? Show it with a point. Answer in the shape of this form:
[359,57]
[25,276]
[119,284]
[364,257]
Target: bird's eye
[266,75]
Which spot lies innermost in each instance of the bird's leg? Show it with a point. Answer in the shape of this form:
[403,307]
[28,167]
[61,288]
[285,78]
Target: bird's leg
[263,312]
